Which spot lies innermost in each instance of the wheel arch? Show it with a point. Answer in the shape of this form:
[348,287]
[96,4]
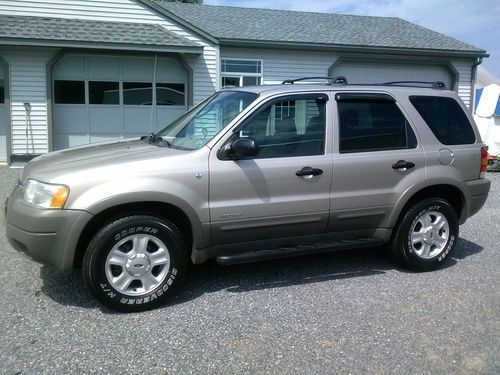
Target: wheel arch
[168,211]
[447,191]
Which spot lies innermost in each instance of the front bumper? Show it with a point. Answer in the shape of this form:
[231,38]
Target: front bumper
[48,236]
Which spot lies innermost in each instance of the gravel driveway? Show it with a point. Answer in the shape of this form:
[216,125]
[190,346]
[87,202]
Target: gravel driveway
[350,312]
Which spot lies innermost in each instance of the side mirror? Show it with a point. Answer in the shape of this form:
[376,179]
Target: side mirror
[244,148]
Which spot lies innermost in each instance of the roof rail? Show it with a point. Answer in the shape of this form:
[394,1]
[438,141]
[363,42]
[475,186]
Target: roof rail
[434,84]
[331,80]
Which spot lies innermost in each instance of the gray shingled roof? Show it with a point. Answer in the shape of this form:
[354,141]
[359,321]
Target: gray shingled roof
[264,25]
[38,29]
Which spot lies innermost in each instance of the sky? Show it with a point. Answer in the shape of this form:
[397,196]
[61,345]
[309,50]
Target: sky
[476,22]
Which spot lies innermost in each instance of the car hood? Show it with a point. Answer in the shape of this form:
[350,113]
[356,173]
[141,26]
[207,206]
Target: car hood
[49,166]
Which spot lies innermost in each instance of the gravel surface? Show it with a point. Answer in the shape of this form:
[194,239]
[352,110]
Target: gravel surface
[350,312]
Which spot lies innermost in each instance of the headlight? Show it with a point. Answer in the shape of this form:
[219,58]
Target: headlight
[43,195]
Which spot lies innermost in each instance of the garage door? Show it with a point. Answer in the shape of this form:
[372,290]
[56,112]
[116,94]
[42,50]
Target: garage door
[356,72]
[100,98]
[3,120]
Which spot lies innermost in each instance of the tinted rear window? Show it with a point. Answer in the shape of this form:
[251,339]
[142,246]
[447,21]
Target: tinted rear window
[445,118]
[371,125]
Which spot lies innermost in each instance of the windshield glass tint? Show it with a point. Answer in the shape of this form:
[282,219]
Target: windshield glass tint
[198,126]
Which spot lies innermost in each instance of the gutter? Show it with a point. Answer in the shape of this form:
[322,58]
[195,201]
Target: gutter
[100,45]
[350,48]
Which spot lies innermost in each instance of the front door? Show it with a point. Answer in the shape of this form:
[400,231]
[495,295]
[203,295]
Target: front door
[284,190]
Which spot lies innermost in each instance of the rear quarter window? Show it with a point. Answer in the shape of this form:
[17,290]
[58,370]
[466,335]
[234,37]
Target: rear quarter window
[446,119]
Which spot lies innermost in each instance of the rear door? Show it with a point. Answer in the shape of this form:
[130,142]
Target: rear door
[273,195]
[377,157]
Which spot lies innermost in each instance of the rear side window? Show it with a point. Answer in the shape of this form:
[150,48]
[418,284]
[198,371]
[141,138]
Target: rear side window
[372,123]
[445,118]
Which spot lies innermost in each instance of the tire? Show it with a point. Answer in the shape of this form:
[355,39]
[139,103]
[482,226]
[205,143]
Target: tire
[426,235]
[135,263]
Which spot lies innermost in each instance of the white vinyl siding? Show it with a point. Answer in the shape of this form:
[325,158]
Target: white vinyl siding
[281,65]
[3,119]
[464,84]
[27,81]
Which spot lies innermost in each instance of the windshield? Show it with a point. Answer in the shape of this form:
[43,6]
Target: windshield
[198,126]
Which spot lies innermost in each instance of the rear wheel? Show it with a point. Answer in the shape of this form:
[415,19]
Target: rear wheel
[426,235]
[135,263]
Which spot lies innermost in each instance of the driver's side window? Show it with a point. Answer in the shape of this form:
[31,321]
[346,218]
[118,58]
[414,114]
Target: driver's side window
[294,126]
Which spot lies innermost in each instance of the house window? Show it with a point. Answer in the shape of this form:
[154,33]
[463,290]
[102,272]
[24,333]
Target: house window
[237,73]
[101,92]
[69,92]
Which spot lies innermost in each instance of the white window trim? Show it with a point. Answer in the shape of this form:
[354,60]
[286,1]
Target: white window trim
[240,75]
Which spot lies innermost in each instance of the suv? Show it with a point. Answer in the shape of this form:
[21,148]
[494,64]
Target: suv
[255,173]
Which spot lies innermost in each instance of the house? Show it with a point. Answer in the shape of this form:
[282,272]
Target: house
[74,72]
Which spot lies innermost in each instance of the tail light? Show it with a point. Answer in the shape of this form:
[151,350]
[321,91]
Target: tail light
[484,162]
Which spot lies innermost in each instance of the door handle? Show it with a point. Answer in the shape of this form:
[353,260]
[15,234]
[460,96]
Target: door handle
[309,172]
[403,165]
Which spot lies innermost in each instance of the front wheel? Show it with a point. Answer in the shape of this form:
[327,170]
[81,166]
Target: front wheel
[426,235]
[134,263]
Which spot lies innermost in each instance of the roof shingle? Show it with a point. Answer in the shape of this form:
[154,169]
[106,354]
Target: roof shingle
[75,30]
[266,25]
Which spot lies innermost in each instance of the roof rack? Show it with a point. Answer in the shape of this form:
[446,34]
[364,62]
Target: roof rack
[331,80]
[434,84]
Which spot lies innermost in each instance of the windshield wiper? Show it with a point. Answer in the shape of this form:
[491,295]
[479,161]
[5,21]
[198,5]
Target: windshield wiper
[155,139]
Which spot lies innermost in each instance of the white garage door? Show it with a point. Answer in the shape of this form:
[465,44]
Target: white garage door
[3,120]
[100,98]
[357,72]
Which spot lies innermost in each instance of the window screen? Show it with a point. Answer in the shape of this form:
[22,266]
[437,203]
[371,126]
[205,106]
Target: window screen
[69,92]
[371,125]
[445,118]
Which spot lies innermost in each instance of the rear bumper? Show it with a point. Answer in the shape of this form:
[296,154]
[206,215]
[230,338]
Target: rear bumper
[477,193]
[48,236]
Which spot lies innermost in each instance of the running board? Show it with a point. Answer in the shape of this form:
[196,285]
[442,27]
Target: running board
[291,251]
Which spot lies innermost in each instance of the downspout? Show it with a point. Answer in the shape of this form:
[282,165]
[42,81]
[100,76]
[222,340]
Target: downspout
[473,74]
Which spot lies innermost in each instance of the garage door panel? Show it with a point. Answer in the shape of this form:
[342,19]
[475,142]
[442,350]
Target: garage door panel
[70,140]
[169,70]
[105,120]
[137,119]
[377,72]
[101,67]
[70,119]
[92,121]
[137,69]
[166,116]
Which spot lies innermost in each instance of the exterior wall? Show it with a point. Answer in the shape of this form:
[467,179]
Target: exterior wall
[28,84]
[28,70]
[204,67]
[464,84]
[279,65]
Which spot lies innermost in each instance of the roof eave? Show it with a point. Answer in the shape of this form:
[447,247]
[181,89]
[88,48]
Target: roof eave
[197,50]
[180,21]
[350,48]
